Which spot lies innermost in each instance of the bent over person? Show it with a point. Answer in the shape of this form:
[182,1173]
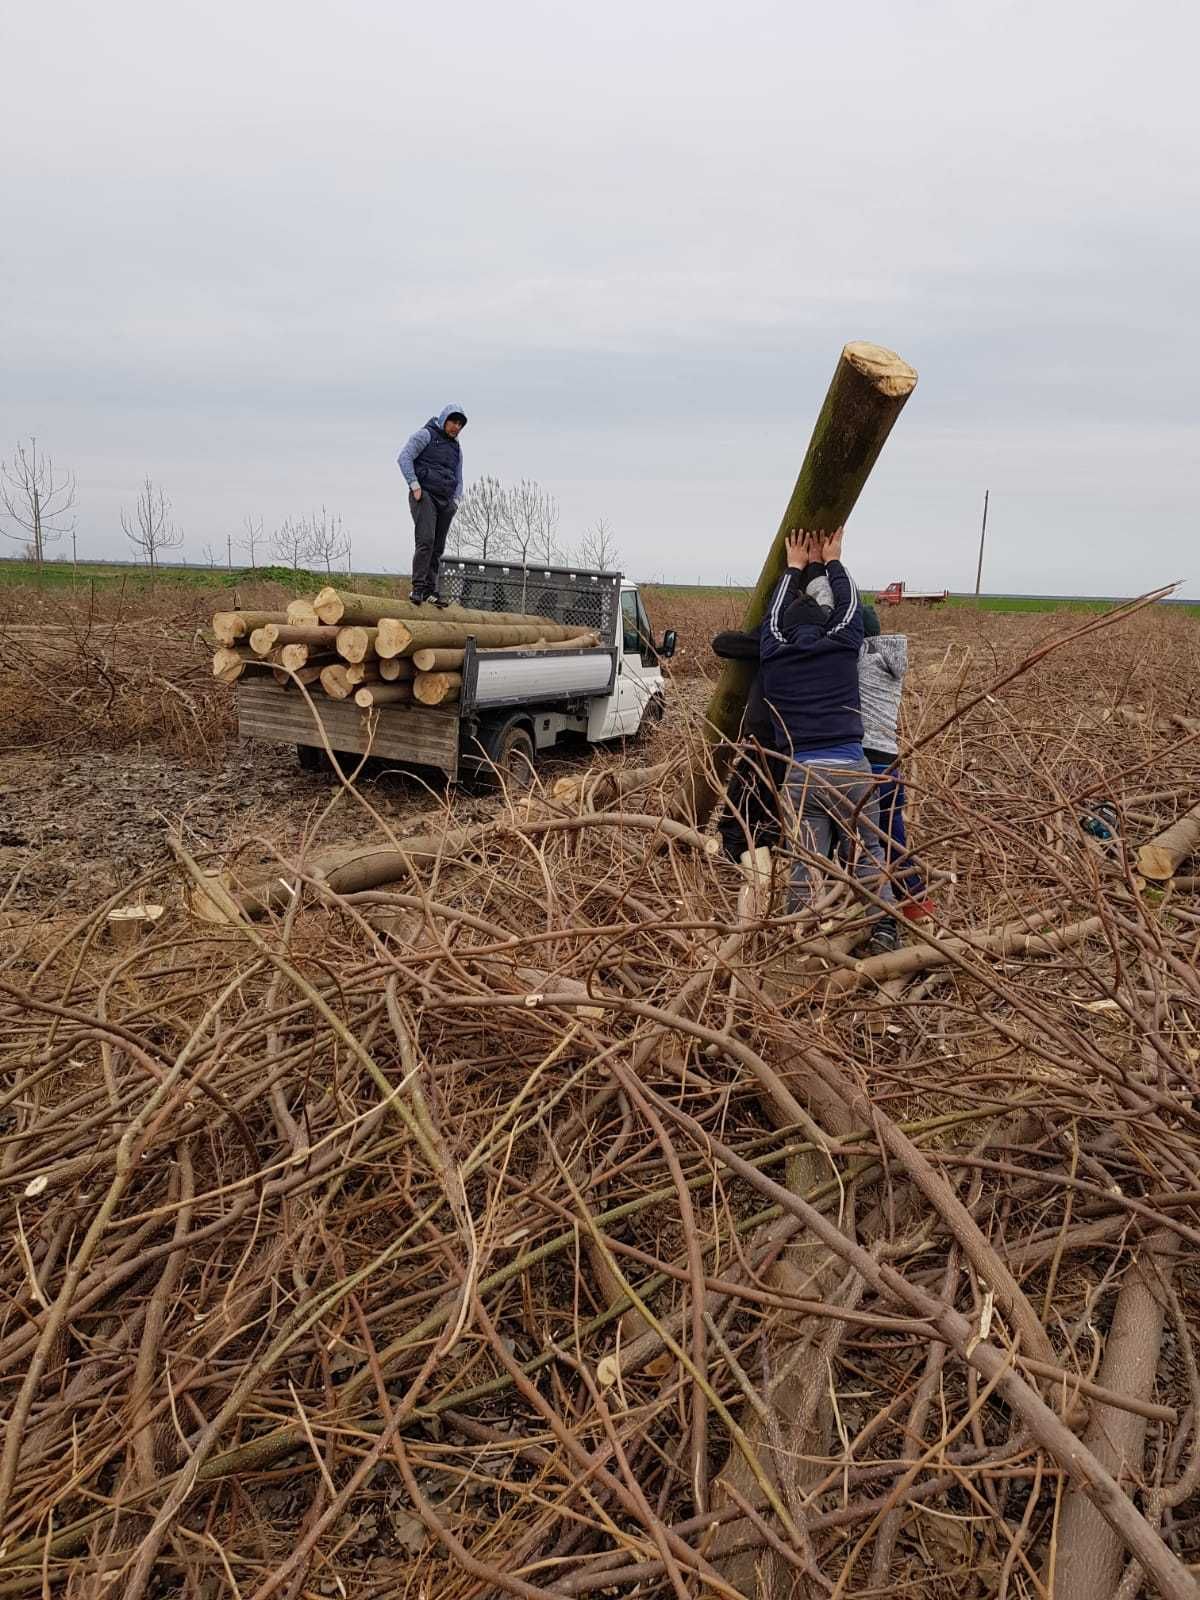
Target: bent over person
[810,681]
[431,462]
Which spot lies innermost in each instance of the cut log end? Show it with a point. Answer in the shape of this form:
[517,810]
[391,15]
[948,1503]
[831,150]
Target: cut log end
[436,688]
[354,644]
[1156,863]
[392,669]
[302,612]
[262,640]
[883,368]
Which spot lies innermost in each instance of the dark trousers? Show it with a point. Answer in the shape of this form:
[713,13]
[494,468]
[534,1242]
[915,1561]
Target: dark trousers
[754,785]
[905,873]
[431,524]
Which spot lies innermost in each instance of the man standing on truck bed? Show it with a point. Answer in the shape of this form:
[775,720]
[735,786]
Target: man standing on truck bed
[431,462]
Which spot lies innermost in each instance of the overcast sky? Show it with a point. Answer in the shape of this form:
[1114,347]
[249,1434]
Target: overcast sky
[247,248]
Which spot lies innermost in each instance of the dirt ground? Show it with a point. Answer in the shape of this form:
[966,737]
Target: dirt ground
[76,826]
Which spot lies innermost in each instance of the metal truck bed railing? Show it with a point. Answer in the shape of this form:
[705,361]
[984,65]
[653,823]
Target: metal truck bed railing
[573,596]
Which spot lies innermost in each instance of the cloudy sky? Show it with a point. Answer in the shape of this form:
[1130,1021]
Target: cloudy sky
[247,248]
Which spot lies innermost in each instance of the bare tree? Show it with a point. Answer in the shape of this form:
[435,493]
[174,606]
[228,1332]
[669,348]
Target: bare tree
[290,541]
[210,555]
[598,547]
[35,501]
[254,537]
[149,528]
[325,540]
[484,521]
[533,516]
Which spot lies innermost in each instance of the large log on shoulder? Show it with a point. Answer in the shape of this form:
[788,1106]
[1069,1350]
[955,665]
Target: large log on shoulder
[869,388]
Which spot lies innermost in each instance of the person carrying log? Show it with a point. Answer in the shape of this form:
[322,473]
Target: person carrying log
[431,462]
[758,773]
[810,682]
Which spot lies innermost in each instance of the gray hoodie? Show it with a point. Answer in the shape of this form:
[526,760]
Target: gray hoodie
[882,663]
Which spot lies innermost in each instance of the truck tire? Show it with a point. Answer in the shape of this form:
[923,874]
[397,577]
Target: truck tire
[516,757]
[510,754]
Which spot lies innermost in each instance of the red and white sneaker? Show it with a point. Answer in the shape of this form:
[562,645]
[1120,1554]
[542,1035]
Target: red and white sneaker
[918,910]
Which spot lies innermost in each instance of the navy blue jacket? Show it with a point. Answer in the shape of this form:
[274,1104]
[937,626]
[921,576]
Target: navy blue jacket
[433,459]
[810,664]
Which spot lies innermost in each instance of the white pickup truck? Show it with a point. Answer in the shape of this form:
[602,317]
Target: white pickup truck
[513,703]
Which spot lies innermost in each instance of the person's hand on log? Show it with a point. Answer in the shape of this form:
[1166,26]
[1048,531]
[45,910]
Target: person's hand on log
[831,547]
[803,546]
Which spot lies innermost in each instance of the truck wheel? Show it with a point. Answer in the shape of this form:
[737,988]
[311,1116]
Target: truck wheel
[514,756]
[655,711]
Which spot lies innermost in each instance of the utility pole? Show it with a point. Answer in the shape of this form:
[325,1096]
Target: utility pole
[982,536]
[229,550]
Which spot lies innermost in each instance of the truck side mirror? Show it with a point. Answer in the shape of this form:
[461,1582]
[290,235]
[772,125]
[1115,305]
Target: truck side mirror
[667,648]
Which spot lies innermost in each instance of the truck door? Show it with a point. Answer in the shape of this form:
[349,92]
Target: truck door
[638,677]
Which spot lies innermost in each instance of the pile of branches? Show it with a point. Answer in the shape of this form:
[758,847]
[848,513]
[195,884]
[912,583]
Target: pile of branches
[562,1218]
[94,673]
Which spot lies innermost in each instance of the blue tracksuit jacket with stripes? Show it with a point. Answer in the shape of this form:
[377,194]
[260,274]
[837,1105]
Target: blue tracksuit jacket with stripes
[810,664]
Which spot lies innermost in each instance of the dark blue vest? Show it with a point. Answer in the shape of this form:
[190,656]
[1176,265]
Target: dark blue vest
[437,465]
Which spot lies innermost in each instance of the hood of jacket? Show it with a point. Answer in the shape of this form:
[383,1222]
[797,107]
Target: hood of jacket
[888,650]
[451,411]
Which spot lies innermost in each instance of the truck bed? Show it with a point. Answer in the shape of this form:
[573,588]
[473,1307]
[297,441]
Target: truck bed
[428,736]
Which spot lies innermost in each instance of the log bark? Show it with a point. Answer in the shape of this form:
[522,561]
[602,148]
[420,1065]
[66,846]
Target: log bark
[869,388]
[597,789]
[232,626]
[350,609]
[437,660]
[303,612]
[401,638]
[275,634]
[358,867]
[450,659]
[383,694]
[356,644]
[1171,847]
[395,669]
[1090,1555]
[436,688]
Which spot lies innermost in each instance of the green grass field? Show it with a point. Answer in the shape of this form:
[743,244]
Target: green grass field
[112,574]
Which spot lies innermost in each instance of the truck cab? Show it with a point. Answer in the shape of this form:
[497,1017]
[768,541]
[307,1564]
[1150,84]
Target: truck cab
[606,603]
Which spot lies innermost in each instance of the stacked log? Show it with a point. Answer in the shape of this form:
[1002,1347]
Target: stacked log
[374,650]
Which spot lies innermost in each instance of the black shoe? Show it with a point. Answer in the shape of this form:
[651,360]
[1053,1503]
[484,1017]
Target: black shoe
[417,598]
[885,937]
[439,600]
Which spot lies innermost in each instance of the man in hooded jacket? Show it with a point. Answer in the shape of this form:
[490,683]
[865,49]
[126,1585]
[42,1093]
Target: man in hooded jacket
[431,462]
